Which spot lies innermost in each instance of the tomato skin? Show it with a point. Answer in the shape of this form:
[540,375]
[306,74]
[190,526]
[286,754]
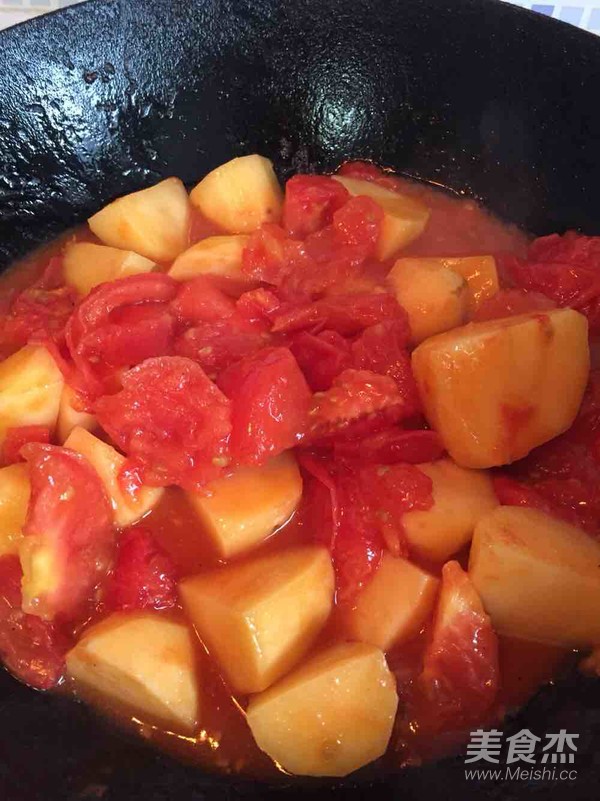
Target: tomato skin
[106,325]
[460,675]
[347,314]
[32,649]
[20,435]
[216,346]
[322,357]
[392,446]
[310,202]
[270,404]
[257,308]
[199,301]
[511,302]
[64,488]
[354,394]
[144,576]
[170,420]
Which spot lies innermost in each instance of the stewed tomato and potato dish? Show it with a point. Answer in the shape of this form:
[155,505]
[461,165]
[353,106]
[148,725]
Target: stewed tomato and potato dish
[300,478]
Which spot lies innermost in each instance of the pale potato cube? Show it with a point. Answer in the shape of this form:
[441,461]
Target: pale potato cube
[329,717]
[460,498]
[144,662]
[241,510]
[86,265]
[14,500]
[538,577]
[435,298]
[393,605]
[220,257]
[108,462]
[30,389]
[260,617]
[69,417]
[479,272]
[495,390]
[404,217]
[240,195]
[153,222]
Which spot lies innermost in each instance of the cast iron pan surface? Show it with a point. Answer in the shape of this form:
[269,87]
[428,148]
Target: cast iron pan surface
[110,96]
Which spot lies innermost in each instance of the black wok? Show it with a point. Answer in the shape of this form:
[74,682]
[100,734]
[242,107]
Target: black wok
[107,97]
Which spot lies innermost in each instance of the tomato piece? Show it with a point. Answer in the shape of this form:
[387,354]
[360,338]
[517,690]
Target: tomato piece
[392,446]
[310,202]
[460,667]
[269,254]
[257,307]
[38,315]
[322,357]
[382,348]
[358,222]
[32,649]
[171,420]
[144,576]
[365,171]
[270,404]
[565,268]
[20,435]
[215,346]
[110,330]
[347,314]
[511,302]
[353,394]
[69,536]
[320,508]
[200,301]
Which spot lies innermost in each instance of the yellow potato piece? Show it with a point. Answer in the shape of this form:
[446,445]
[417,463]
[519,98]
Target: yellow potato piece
[30,389]
[144,662]
[495,390]
[86,265]
[460,498]
[153,222]
[435,298]
[538,578]
[69,417]
[329,717]
[240,511]
[220,257]
[479,272]
[393,605]
[240,195]
[14,499]
[404,217]
[108,462]
[260,617]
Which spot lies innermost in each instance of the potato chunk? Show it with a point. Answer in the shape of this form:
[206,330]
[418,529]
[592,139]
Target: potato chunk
[538,578]
[479,272]
[460,498]
[144,662]
[331,716]
[86,265]
[14,499]
[153,222]
[259,618]
[393,605]
[108,462]
[217,256]
[240,195]
[69,417]
[434,297]
[405,218]
[30,389]
[241,510]
[491,389]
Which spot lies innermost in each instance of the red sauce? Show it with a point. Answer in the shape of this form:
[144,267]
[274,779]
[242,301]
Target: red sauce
[456,227]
